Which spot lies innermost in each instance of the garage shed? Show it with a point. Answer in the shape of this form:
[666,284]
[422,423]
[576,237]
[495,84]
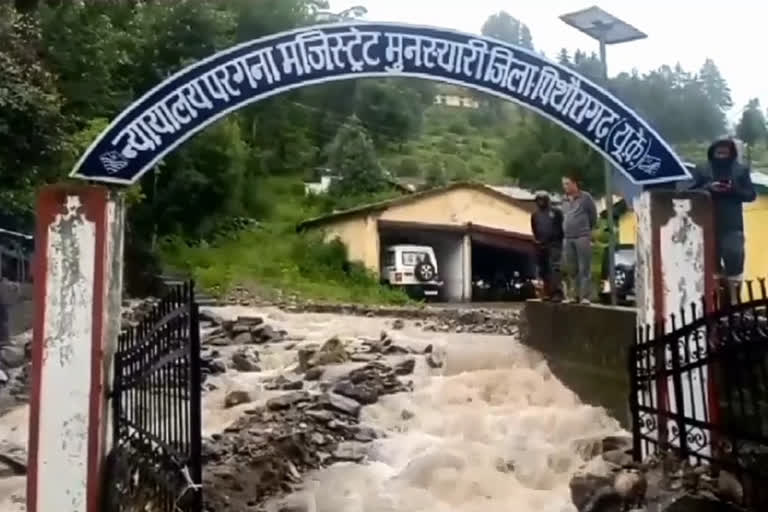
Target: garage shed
[477,232]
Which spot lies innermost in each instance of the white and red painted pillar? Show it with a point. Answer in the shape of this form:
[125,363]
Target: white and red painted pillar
[78,287]
[675,270]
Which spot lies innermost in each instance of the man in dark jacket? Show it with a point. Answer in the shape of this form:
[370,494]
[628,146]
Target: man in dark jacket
[730,185]
[547,229]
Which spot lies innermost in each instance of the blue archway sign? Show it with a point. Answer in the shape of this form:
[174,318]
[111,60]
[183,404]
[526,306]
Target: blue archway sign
[200,94]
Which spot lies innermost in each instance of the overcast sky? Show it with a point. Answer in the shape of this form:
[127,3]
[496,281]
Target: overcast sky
[733,33]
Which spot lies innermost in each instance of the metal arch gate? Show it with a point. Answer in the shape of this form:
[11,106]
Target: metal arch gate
[155,462]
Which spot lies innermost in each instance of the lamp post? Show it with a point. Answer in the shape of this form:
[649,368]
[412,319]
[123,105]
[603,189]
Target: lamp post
[606,29]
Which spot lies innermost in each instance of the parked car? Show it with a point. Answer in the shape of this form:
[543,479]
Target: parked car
[412,268]
[624,264]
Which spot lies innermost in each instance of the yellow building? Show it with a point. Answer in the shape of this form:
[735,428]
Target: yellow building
[472,228]
[755,230]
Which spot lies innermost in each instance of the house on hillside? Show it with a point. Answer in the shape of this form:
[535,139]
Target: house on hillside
[755,222]
[474,229]
[321,179]
[453,96]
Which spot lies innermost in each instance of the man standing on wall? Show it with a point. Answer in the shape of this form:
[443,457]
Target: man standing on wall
[579,219]
[730,185]
[547,229]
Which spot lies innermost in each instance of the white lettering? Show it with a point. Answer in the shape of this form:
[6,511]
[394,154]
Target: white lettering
[140,138]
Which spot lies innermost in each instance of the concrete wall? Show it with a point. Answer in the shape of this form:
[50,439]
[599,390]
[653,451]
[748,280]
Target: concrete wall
[587,349]
[361,237]
[460,206]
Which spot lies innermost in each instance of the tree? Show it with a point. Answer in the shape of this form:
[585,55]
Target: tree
[352,157]
[435,176]
[564,57]
[32,126]
[752,126]
[542,151]
[388,110]
[507,28]
[715,86]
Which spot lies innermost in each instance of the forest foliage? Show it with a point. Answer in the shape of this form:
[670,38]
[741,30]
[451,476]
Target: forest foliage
[70,67]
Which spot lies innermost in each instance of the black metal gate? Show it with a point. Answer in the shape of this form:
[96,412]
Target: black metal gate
[722,357]
[155,461]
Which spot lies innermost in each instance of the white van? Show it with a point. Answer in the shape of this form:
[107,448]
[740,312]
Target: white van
[413,268]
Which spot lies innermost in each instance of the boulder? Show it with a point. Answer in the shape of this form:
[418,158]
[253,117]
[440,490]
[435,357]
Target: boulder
[344,404]
[434,361]
[206,315]
[236,397]
[364,394]
[12,357]
[398,324]
[250,321]
[405,367]
[332,352]
[265,334]
[314,374]
[584,486]
[242,338]
[305,354]
[246,361]
[287,400]
[619,458]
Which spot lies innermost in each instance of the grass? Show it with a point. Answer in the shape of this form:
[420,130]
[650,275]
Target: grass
[274,258]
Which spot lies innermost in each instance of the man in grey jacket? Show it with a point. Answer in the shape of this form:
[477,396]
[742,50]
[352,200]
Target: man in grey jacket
[579,219]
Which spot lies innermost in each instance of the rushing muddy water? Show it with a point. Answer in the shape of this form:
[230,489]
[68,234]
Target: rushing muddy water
[493,430]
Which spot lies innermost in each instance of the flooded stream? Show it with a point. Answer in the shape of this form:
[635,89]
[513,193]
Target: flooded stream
[491,430]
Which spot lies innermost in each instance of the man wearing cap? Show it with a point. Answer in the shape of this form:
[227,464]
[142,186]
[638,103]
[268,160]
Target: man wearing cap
[547,229]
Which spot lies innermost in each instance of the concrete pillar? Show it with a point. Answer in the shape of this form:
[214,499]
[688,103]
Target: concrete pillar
[78,287]
[466,274]
[675,269]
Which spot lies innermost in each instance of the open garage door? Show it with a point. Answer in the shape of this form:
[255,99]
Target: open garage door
[448,244]
[497,258]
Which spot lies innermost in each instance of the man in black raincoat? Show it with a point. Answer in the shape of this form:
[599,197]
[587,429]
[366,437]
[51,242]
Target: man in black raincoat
[730,185]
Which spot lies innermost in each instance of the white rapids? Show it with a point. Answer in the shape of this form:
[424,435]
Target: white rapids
[492,430]
[495,404]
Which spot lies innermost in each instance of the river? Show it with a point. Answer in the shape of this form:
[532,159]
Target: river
[492,430]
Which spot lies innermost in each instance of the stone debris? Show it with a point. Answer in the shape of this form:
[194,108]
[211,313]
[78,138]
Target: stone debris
[481,321]
[245,330]
[266,452]
[658,484]
[15,369]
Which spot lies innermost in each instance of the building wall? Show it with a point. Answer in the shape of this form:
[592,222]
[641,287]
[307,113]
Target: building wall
[361,236]
[452,100]
[755,222]
[461,206]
